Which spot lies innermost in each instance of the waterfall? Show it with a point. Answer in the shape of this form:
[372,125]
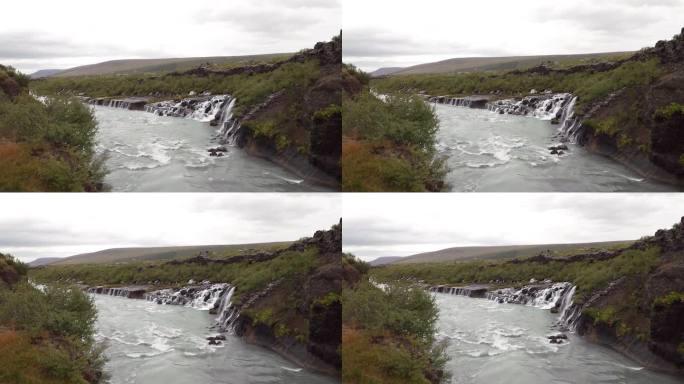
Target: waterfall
[569,311]
[227,126]
[559,108]
[203,297]
[227,312]
[570,125]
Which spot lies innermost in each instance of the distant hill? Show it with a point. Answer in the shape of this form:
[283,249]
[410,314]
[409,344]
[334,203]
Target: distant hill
[384,260]
[43,261]
[167,65]
[120,255]
[45,73]
[385,71]
[505,252]
[482,64]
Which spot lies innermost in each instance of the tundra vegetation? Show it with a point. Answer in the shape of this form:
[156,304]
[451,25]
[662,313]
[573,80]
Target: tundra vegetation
[46,335]
[388,143]
[45,146]
[388,333]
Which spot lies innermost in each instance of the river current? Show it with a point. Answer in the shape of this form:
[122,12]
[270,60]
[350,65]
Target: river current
[491,152]
[150,153]
[508,343]
[148,343]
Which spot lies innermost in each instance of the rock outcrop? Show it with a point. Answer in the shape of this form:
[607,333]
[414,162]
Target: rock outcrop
[319,310]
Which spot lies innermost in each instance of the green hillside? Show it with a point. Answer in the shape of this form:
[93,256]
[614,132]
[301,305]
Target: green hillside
[122,255]
[508,252]
[483,64]
[138,66]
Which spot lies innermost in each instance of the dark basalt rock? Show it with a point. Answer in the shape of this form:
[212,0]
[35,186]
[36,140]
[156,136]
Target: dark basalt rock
[558,339]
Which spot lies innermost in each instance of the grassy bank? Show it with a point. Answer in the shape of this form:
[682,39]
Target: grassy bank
[389,334]
[589,275]
[46,336]
[388,145]
[45,146]
[588,86]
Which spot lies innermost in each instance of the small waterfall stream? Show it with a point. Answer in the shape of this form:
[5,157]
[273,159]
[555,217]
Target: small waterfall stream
[215,298]
[557,297]
[559,108]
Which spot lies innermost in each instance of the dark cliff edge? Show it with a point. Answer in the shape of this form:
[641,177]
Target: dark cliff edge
[318,311]
[657,312]
[310,118]
[644,139]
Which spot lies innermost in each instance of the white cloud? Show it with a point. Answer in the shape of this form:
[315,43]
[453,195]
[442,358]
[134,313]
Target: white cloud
[378,225]
[58,225]
[441,29]
[39,34]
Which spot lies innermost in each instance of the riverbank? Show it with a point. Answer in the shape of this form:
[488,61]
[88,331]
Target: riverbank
[627,109]
[628,298]
[287,112]
[287,300]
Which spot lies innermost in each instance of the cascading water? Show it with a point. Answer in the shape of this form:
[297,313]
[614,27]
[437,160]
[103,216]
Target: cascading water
[558,108]
[227,312]
[570,125]
[203,297]
[557,297]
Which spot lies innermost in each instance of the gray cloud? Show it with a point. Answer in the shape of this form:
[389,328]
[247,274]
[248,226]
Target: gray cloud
[63,225]
[388,226]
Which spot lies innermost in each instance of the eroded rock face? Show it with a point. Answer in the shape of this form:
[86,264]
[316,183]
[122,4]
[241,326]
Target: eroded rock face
[319,308]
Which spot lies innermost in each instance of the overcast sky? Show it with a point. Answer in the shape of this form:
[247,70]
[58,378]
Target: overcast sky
[43,34]
[378,225]
[59,225]
[386,33]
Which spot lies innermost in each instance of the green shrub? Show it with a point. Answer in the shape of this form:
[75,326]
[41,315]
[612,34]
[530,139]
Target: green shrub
[666,113]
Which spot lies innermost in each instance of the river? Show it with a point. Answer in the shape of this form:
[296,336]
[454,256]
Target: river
[150,153]
[150,343]
[507,343]
[491,152]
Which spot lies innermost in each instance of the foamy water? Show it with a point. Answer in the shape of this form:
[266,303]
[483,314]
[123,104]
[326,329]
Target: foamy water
[153,153]
[489,152]
[508,343]
[166,344]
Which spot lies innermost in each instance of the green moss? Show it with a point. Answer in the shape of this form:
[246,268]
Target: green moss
[680,349]
[624,141]
[669,299]
[264,316]
[328,112]
[281,330]
[681,159]
[608,127]
[605,316]
[666,113]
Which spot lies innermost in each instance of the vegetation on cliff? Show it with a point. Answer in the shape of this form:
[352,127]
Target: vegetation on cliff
[46,335]
[388,144]
[45,146]
[388,333]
